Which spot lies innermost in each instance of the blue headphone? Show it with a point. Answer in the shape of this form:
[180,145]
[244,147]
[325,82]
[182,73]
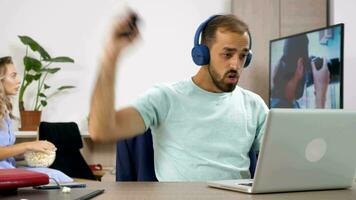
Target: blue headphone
[200,52]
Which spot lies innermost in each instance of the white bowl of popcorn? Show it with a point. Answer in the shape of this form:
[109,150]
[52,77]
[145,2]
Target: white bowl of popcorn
[40,159]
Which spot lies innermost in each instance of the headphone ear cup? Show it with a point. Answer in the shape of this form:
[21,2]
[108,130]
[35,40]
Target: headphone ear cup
[248,59]
[201,55]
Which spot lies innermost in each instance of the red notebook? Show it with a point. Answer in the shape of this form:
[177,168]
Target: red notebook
[15,178]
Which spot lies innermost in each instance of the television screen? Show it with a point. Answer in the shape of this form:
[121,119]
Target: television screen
[306,69]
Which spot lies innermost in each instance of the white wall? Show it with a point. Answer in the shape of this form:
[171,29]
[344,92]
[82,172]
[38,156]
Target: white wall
[344,12]
[76,28]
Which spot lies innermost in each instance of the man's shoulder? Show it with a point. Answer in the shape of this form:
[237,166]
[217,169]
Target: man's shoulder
[248,94]
[253,102]
[176,86]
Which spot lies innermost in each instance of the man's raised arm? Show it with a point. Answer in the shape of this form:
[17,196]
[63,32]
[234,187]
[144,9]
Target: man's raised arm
[106,124]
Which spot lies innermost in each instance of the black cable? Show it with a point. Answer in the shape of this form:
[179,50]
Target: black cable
[57,183]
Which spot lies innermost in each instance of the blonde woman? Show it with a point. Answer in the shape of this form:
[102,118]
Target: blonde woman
[9,86]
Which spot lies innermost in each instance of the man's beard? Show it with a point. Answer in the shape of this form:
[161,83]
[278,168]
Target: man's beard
[225,87]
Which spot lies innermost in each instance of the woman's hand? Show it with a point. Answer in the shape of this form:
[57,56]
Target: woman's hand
[41,145]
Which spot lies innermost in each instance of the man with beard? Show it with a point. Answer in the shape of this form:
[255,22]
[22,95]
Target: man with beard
[203,127]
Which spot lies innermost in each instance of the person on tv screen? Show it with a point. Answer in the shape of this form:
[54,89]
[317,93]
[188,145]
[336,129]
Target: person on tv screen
[290,75]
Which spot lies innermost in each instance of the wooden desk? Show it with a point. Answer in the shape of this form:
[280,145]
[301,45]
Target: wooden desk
[199,190]
[181,191]
[33,134]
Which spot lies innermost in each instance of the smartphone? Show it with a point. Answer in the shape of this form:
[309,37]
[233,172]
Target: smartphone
[318,62]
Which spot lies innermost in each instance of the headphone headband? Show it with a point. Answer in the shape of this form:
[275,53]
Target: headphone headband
[201,28]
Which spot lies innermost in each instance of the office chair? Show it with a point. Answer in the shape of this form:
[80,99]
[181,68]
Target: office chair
[66,137]
[135,159]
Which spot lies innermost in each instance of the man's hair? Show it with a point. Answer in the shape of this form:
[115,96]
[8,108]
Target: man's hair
[226,22]
[5,60]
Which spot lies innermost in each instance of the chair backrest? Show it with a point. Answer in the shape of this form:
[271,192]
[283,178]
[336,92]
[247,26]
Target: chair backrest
[135,159]
[253,162]
[66,137]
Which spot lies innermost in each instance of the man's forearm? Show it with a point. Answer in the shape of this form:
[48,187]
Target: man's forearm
[320,101]
[102,123]
[102,113]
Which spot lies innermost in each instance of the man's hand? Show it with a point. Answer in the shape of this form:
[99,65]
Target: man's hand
[105,123]
[321,81]
[123,33]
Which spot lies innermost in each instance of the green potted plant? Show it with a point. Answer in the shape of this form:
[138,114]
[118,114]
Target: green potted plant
[36,71]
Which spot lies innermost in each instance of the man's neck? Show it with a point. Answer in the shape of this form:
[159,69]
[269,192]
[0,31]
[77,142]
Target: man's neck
[203,80]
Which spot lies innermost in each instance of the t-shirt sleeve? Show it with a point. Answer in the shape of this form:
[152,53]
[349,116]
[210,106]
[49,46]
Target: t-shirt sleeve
[153,106]
[262,111]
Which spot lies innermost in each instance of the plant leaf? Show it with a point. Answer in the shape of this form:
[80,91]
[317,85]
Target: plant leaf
[42,95]
[44,103]
[32,63]
[46,86]
[29,78]
[37,76]
[26,40]
[51,70]
[62,59]
[66,87]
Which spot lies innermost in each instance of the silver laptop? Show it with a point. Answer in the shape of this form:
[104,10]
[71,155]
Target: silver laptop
[303,150]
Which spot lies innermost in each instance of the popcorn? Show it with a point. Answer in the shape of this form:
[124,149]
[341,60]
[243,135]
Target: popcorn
[66,189]
[39,159]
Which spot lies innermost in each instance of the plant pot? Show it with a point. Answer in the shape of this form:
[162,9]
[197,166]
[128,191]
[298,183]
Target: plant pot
[30,120]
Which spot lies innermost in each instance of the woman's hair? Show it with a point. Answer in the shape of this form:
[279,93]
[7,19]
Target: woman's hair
[5,102]
[294,48]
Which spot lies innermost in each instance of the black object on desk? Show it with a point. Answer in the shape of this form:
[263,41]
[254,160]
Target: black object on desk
[56,186]
[74,194]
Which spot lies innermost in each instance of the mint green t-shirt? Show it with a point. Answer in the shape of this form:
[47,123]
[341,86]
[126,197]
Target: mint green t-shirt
[200,135]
